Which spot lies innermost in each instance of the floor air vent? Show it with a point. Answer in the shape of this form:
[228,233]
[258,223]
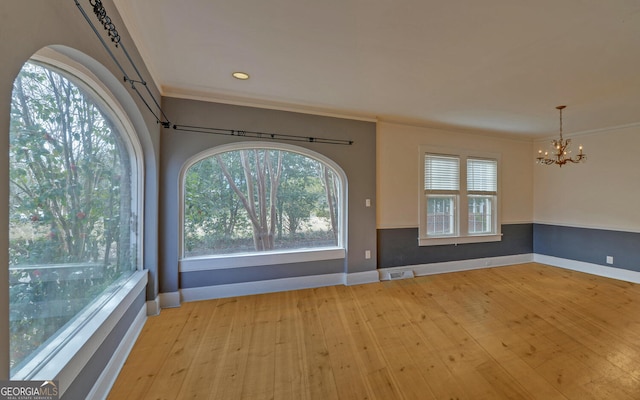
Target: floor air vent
[395,275]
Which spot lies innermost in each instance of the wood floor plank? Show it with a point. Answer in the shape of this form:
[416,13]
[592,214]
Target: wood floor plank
[343,355]
[171,376]
[579,338]
[210,355]
[320,377]
[368,356]
[290,370]
[148,356]
[259,374]
[230,376]
[398,344]
[592,340]
[526,331]
[449,361]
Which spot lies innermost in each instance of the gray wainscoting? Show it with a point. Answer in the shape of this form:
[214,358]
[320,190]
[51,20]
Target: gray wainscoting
[588,245]
[398,247]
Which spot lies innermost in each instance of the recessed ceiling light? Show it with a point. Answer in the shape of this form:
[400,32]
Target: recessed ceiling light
[243,76]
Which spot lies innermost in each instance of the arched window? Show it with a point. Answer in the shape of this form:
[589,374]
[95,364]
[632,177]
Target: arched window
[253,198]
[74,208]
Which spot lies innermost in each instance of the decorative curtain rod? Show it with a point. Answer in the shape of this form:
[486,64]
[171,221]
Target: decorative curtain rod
[161,118]
[108,25]
[260,135]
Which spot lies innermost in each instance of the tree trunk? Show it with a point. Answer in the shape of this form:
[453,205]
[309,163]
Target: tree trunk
[331,191]
[260,208]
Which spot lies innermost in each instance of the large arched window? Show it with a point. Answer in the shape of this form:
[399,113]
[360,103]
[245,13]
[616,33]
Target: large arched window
[255,197]
[75,184]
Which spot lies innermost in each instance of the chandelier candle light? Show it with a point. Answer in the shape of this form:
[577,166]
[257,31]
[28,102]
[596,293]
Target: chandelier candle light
[560,155]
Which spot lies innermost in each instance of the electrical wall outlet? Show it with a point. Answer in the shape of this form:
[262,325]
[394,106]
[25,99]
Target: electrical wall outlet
[609,259]
[367,254]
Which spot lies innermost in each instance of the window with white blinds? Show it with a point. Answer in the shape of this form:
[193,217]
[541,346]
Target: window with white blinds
[442,187]
[459,203]
[441,173]
[482,176]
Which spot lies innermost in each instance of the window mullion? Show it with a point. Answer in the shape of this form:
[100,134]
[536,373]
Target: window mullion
[463,212]
[481,193]
[471,210]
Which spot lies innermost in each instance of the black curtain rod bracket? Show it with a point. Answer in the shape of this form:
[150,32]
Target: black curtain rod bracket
[260,135]
[161,118]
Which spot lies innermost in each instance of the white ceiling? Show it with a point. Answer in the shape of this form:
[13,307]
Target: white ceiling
[495,65]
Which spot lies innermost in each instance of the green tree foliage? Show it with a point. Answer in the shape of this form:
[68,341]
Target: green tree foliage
[259,199]
[70,205]
[301,194]
[262,180]
[68,179]
[214,216]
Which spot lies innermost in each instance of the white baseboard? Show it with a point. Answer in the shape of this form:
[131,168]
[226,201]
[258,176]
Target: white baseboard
[359,278]
[594,269]
[258,287]
[304,282]
[461,265]
[153,307]
[169,299]
[109,374]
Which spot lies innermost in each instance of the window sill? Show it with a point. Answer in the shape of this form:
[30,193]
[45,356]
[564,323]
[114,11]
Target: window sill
[459,240]
[65,357]
[206,263]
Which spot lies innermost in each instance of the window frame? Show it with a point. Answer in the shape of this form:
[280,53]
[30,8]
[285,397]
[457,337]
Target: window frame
[461,233]
[272,257]
[72,348]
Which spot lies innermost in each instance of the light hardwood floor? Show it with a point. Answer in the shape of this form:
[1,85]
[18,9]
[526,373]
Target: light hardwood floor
[520,332]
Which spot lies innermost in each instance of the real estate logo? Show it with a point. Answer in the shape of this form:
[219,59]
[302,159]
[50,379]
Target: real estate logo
[29,390]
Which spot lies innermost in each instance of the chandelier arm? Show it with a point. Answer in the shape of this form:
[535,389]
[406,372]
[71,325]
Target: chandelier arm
[560,154]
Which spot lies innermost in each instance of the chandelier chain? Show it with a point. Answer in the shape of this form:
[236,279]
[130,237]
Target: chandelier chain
[561,153]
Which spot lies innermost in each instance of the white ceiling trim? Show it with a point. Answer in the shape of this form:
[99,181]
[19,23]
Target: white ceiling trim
[263,103]
[495,67]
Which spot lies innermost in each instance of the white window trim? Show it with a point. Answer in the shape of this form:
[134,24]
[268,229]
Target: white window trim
[462,237]
[242,260]
[63,359]
[71,350]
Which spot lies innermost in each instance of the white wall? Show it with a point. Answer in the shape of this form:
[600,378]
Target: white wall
[601,193]
[399,165]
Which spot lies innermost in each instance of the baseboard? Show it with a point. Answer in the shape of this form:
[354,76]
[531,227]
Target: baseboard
[169,299]
[153,307]
[359,278]
[594,269]
[461,265]
[305,282]
[259,287]
[109,374]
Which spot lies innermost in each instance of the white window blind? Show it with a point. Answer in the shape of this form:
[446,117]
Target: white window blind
[460,203]
[441,173]
[482,176]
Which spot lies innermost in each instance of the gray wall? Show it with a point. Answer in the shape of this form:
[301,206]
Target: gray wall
[588,245]
[357,160]
[92,370]
[27,26]
[399,247]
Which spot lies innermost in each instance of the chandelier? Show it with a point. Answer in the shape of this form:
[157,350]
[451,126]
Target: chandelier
[560,154]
